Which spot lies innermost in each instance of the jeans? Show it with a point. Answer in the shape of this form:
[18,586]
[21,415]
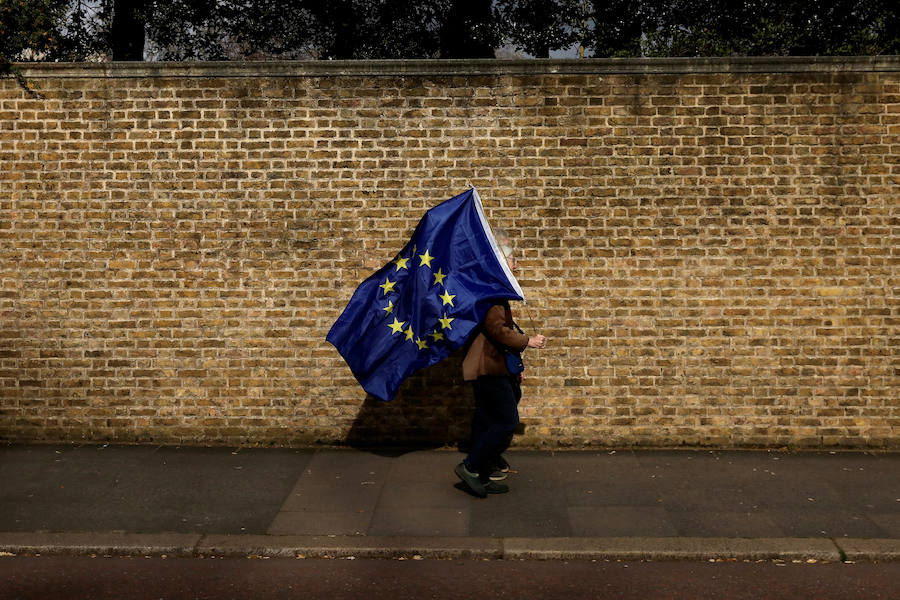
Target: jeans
[496,418]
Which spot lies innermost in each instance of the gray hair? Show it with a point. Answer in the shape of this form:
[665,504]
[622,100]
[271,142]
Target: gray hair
[503,240]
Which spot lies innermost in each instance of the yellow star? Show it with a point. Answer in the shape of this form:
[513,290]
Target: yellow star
[421,344]
[437,335]
[445,322]
[396,326]
[389,308]
[439,277]
[401,263]
[426,259]
[447,297]
[387,286]
[409,333]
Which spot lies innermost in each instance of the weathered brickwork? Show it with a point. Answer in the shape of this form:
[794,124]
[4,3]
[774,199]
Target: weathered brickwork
[711,247]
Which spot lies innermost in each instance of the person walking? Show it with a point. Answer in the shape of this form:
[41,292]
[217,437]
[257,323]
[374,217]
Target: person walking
[497,391]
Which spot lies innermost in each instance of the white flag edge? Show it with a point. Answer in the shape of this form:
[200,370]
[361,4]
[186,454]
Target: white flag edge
[498,254]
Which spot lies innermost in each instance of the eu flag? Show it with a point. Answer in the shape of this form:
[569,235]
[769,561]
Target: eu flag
[425,303]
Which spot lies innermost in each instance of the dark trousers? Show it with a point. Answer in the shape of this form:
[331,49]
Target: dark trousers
[496,418]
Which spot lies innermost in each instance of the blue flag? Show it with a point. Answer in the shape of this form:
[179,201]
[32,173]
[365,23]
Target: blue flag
[426,302]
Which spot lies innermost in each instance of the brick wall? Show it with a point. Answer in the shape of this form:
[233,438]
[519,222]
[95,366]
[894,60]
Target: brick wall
[712,246]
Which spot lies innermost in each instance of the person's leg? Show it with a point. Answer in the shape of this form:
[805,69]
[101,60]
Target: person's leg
[496,461]
[497,402]
[479,419]
[467,471]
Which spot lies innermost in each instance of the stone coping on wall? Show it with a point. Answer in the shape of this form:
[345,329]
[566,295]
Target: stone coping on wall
[428,67]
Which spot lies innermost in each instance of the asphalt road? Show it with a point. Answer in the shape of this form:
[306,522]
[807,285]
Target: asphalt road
[73,578]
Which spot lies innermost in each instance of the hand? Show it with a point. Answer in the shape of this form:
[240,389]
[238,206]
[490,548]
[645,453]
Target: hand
[537,341]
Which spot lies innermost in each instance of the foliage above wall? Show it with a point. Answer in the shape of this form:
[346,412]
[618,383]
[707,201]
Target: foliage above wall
[78,30]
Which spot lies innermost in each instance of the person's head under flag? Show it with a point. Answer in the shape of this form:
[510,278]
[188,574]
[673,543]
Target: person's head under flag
[506,247]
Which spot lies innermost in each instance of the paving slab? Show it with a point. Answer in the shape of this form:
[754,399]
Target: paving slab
[526,511]
[724,524]
[619,521]
[833,521]
[321,523]
[887,522]
[419,521]
[144,489]
[423,467]
[437,494]
[637,489]
[310,494]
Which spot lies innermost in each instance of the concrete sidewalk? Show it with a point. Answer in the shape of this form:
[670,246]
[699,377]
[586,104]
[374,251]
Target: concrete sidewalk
[338,503]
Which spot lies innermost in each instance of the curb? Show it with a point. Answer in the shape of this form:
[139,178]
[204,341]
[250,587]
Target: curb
[684,548]
[347,546]
[658,549]
[111,543]
[882,550]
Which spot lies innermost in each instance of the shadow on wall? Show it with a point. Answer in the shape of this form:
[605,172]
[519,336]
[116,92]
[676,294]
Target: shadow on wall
[432,409]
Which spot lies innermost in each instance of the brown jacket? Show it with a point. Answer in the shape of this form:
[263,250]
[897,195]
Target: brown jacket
[484,357]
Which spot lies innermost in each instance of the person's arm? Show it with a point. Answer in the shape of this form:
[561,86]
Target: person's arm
[537,341]
[496,329]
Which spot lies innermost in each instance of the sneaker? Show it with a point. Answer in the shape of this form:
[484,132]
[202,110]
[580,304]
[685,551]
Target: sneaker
[492,487]
[498,476]
[471,480]
[501,465]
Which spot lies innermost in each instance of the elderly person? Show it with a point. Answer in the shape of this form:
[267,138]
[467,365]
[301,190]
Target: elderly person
[497,392]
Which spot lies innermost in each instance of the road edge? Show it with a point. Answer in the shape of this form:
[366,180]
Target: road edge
[384,547]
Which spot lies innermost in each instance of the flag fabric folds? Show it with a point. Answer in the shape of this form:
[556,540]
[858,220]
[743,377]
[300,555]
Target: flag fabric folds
[426,302]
